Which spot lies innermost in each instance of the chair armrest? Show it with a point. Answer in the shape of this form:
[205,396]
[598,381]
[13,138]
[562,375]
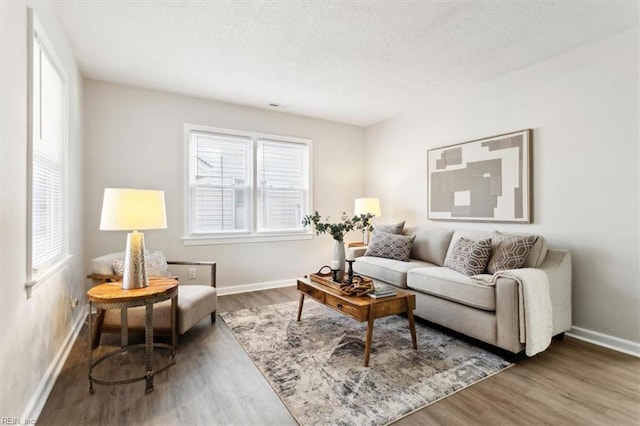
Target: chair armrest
[189,262]
[197,263]
[110,278]
[105,278]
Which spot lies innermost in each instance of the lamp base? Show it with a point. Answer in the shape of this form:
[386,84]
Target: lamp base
[135,270]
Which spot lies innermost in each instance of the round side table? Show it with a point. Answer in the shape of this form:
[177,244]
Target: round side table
[113,296]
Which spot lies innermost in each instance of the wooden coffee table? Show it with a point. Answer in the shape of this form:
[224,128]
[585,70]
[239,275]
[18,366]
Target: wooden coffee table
[362,308]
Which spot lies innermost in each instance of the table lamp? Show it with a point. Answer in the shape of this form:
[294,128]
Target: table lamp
[364,206]
[133,210]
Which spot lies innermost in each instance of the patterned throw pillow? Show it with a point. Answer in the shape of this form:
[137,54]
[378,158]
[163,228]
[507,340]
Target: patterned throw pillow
[511,253]
[155,263]
[118,266]
[469,257]
[391,229]
[390,246]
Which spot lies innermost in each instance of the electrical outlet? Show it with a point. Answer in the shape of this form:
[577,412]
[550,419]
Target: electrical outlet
[192,273]
[73,301]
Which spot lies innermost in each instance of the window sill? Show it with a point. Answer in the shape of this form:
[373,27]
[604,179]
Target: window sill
[35,282]
[239,239]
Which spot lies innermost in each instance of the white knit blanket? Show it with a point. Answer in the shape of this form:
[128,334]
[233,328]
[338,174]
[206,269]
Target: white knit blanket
[534,303]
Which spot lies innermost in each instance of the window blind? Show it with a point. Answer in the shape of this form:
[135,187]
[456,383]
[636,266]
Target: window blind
[282,185]
[48,161]
[221,183]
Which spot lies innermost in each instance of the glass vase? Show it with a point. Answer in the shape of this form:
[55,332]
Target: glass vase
[339,258]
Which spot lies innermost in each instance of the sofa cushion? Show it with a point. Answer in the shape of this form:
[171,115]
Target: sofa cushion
[470,257]
[510,253]
[195,302]
[431,243]
[390,246]
[396,228]
[537,254]
[451,285]
[387,270]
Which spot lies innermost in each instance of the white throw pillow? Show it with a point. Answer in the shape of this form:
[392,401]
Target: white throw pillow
[155,263]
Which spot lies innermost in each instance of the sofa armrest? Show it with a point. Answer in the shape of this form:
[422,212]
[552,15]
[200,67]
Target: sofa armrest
[357,251]
[557,265]
[507,315]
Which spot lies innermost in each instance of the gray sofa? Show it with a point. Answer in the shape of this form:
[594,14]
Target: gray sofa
[455,301]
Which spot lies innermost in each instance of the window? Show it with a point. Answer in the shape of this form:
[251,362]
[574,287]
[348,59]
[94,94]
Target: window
[221,183]
[245,186]
[282,188]
[47,158]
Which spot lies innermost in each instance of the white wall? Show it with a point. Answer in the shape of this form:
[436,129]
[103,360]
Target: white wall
[583,109]
[135,139]
[35,332]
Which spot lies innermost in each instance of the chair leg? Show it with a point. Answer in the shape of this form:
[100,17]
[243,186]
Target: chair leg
[213,317]
[97,330]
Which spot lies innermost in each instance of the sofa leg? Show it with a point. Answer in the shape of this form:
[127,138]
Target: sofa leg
[558,337]
[514,358]
[213,317]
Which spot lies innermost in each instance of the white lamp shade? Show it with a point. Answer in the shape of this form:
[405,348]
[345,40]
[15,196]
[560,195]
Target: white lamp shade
[132,209]
[367,205]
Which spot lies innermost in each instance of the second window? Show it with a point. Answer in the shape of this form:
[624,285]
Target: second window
[244,183]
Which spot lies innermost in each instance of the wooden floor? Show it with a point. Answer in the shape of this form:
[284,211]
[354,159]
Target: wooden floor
[215,383]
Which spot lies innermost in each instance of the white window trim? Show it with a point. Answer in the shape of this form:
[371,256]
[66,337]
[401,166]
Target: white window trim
[33,280]
[241,237]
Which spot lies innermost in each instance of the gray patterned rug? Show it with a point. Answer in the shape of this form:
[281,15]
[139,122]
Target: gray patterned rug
[316,365]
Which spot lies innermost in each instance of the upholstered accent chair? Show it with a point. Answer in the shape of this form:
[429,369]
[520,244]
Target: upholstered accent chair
[195,301]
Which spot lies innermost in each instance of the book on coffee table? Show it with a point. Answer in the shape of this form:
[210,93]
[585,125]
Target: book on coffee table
[383,290]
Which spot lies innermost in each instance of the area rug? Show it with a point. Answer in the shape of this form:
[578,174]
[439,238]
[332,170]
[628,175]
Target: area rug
[316,365]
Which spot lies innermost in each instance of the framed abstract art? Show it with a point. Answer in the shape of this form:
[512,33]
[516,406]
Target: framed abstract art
[484,180]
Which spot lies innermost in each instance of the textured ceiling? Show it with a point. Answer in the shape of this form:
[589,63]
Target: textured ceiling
[347,61]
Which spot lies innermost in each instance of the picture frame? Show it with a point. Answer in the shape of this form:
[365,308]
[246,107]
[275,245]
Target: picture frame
[483,180]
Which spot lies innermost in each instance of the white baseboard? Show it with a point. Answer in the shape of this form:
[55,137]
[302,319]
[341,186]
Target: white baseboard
[244,288]
[605,340]
[39,397]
